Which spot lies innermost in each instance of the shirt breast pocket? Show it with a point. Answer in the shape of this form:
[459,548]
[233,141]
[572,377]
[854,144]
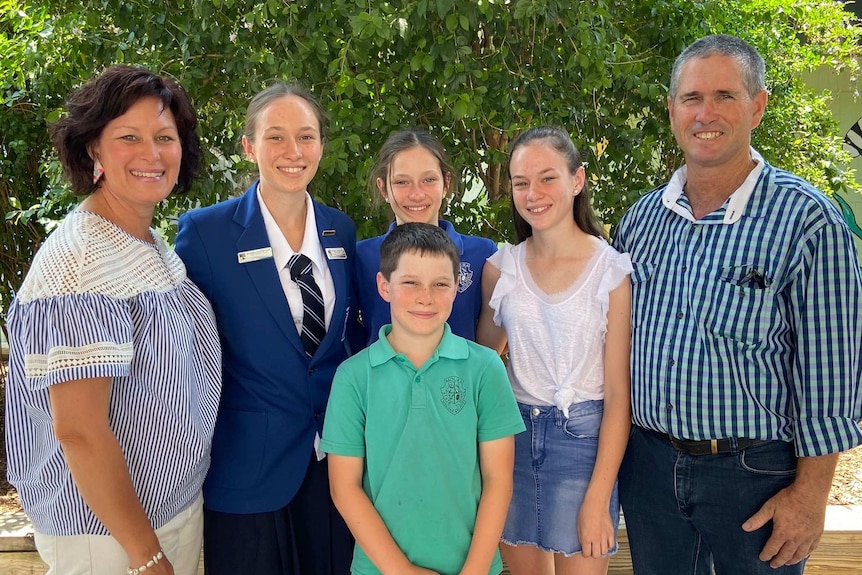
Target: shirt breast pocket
[739,304]
[641,274]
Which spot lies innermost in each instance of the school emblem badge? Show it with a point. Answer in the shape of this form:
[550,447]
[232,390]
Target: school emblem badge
[452,394]
[465,277]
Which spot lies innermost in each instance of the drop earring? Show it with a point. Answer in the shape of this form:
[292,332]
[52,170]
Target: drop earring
[98,170]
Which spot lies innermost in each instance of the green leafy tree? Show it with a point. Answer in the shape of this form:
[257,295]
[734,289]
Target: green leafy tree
[798,131]
[28,173]
[473,73]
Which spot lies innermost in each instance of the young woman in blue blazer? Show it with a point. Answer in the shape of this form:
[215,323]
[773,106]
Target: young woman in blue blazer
[267,508]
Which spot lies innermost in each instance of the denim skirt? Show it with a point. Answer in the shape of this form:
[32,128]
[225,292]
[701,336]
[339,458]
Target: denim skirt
[554,462]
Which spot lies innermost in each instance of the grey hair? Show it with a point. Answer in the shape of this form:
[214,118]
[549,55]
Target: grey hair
[750,61]
[272,93]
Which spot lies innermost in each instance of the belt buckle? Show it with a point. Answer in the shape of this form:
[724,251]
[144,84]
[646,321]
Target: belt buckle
[713,446]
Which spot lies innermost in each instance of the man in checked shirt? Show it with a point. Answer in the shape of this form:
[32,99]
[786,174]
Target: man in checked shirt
[746,342]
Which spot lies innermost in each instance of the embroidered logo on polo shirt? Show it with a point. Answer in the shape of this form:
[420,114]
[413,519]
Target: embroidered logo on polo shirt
[465,277]
[452,394]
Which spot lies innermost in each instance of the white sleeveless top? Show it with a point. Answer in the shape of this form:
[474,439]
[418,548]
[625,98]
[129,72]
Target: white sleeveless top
[556,341]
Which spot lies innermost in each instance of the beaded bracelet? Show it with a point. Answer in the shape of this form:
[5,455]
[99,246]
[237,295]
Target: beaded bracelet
[149,565]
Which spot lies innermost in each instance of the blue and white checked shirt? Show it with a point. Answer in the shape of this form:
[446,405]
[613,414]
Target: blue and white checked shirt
[746,324]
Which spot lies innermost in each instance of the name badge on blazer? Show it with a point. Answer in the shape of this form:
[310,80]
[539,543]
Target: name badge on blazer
[254,255]
[336,254]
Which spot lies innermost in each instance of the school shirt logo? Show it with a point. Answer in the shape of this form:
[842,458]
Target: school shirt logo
[452,394]
[465,277]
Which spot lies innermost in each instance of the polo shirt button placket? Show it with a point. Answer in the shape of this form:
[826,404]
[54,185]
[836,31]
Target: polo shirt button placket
[418,392]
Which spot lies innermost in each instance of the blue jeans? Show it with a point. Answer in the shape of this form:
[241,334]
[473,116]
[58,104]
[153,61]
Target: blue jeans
[684,513]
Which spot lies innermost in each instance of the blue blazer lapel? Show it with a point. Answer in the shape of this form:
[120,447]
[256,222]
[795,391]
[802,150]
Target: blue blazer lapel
[262,272]
[332,242]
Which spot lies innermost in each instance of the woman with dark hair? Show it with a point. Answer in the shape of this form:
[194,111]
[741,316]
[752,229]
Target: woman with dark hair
[114,356]
[413,175]
[561,299]
[278,269]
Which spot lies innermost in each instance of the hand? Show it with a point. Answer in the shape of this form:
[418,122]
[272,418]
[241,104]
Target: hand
[595,528]
[797,525]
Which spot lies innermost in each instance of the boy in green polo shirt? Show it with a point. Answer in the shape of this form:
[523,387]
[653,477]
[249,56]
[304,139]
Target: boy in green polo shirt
[420,425]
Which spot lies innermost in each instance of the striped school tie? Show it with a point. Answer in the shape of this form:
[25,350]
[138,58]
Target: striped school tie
[313,326]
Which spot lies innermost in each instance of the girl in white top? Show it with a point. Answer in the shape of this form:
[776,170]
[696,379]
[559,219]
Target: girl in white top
[561,300]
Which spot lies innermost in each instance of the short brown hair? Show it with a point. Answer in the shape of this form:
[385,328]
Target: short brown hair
[426,239]
[110,95]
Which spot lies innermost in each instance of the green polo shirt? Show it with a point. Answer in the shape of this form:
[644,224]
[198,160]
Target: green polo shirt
[419,430]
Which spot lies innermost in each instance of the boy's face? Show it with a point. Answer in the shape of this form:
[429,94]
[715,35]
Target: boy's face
[420,292]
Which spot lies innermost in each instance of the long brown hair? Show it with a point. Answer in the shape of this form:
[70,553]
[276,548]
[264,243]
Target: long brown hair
[401,141]
[273,92]
[582,211]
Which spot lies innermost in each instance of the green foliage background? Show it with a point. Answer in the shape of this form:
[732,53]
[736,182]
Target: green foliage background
[474,73]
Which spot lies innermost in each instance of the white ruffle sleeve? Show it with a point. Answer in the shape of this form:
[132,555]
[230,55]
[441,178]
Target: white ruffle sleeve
[619,266]
[505,261]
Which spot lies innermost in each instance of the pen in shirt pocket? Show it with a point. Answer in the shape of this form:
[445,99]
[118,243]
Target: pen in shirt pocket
[754,278]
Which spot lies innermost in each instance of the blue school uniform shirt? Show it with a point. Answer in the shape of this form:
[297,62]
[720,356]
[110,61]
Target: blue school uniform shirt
[468,301]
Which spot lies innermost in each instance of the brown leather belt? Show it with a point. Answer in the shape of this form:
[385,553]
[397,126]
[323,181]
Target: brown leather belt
[707,446]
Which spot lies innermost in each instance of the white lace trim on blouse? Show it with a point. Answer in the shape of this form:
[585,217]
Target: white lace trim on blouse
[63,357]
[89,254]
[99,303]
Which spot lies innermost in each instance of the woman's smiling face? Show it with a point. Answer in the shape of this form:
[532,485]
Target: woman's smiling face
[287,145]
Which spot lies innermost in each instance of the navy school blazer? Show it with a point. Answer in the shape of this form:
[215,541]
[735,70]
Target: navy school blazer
[273,396]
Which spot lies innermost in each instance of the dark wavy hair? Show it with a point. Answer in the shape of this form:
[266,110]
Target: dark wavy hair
[92,106]
[582,210]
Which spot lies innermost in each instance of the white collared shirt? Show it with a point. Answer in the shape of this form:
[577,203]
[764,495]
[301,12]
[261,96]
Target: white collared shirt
[735,204]
[282,252]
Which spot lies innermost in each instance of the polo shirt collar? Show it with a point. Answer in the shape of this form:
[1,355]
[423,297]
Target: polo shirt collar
[674,198]
[451,347]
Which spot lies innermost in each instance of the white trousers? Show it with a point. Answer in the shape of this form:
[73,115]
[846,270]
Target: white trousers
[181,540]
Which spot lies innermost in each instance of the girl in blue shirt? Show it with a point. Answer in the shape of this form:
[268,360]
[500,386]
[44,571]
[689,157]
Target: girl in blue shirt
[413,175]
